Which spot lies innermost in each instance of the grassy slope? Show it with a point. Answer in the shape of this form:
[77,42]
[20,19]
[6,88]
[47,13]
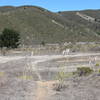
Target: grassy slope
[35,25]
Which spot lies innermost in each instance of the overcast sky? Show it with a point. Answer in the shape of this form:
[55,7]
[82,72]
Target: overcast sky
[56,5]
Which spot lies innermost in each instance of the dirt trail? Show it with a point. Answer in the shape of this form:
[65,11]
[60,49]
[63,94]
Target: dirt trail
[43,58]
[44,89]
[5,59]
[41,92]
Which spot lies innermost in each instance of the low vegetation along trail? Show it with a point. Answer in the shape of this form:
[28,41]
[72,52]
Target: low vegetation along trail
[43,87]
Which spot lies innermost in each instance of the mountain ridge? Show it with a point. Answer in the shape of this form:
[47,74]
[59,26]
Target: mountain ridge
[37,24]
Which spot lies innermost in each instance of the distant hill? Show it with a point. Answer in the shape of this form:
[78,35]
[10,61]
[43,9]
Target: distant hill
[37,24]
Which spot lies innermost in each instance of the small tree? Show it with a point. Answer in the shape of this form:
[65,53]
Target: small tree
[43,43]
[9,38]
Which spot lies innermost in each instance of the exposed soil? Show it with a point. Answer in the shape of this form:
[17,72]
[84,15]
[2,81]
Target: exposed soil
[33,78]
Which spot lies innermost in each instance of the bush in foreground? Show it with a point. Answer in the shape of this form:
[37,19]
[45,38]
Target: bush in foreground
[83,71]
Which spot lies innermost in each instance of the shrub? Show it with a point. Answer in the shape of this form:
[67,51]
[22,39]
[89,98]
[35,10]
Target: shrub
[9,38]
[43,43]
[97,65]
[61,76]
[99,71]
[98,33]
[83,71]
[59,86]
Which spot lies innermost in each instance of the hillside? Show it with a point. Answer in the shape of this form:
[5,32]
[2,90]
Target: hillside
[37,24]
[92,14]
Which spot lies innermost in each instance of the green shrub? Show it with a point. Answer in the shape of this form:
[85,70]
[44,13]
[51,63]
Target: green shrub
[99,71]
[83,71]
[9,38]
[61,76]
[98,33]
[43,43]
[97,64]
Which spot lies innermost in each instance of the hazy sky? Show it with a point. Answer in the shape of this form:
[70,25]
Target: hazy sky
[56,5]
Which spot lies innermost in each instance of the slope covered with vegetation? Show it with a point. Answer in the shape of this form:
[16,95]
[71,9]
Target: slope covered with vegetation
[36,24]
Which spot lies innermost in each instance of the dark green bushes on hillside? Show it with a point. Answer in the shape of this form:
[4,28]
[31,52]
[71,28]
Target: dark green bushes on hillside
[9,38]
[98,33]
